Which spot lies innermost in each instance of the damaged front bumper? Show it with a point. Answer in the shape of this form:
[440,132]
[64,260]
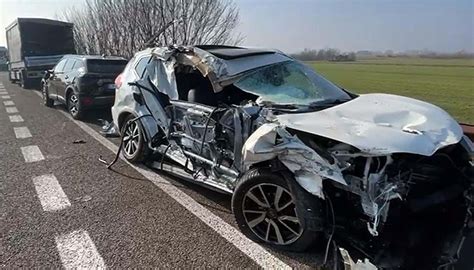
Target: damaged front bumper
[397,211]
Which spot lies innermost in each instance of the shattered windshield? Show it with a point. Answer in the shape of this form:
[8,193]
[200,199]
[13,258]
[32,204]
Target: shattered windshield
[290,83]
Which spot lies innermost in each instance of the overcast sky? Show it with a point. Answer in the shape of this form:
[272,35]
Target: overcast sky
[440,25]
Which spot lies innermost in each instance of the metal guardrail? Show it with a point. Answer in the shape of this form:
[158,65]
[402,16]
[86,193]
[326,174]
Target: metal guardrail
[468,130]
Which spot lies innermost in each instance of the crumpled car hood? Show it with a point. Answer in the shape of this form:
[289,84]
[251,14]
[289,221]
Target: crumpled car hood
[381,124]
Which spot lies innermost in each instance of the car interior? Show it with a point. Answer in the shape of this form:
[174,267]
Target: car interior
[194,87]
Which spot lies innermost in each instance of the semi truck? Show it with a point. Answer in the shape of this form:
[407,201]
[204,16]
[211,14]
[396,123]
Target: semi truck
[36,45]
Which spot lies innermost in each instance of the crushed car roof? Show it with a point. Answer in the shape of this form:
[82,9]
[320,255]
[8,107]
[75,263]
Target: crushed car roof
[231,52]
[98,57]
[222,64]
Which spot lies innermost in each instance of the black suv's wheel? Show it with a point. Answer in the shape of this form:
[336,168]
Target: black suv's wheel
[134,148]
[272,210]
[74,106]
[45,93]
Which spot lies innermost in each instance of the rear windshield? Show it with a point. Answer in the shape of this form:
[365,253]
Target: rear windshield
[105,66]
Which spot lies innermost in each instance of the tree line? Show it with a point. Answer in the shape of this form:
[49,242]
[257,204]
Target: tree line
[123,27]
[329,54]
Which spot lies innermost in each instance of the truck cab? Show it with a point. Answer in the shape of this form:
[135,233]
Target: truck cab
[36,45]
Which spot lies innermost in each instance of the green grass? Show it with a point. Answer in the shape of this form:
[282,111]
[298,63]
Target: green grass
[448,83]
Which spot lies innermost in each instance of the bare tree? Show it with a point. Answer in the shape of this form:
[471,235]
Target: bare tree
[122,27]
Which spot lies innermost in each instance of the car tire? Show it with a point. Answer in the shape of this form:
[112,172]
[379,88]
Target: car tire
[73,105]
[10,78]
[261,218]
[25,83]
[47,101]
[134,147]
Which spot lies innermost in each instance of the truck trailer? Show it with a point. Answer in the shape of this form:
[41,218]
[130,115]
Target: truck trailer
[36,45]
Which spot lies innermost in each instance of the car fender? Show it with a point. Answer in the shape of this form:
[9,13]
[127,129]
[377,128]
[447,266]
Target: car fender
[148,123]
[69,89]
[272,141]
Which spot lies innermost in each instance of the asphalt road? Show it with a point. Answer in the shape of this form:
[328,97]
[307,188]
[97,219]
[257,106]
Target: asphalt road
[61,207]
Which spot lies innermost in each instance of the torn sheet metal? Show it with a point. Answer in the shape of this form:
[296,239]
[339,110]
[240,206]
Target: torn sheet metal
[381,124]
[307,166]
[220,72]
[161,74]
[108,129]
[349,264]
[224,72]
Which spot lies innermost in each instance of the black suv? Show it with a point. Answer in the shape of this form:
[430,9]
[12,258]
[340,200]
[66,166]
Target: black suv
[82,82]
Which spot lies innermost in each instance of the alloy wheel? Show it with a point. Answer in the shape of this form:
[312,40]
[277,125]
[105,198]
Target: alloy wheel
[131,138]
[73,103]
[270,212]
[45,95]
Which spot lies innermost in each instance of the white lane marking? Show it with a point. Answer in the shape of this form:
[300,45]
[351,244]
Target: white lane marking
[8,103]
[50,193]
[3,92]
[32,153]
[15,118]
[77,251]
[254,251]
[6,97]
[22,132]
[11,109]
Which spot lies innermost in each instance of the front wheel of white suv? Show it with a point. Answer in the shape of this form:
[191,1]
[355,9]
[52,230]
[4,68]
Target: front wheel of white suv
[273,210]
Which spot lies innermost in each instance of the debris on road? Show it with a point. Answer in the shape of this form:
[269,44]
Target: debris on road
[108,129]
[84,198]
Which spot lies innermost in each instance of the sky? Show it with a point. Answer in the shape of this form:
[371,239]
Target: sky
[349,25]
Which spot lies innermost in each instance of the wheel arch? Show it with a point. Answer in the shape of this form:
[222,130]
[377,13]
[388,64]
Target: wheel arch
[69,90]
[121,118]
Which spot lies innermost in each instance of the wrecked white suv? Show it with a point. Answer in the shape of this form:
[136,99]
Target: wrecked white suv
[384,178]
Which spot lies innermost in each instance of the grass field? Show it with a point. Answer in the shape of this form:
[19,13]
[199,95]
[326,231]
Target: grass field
[448,83]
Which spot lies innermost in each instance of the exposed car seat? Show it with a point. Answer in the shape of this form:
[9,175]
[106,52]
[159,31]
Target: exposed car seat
[203,96]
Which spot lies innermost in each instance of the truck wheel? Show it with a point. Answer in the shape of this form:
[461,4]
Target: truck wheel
[273,210]
[74,106]
[25,83]
[48,102]
[10,78]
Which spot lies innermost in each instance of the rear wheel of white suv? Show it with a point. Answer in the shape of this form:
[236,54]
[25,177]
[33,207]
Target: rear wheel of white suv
[134,148]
